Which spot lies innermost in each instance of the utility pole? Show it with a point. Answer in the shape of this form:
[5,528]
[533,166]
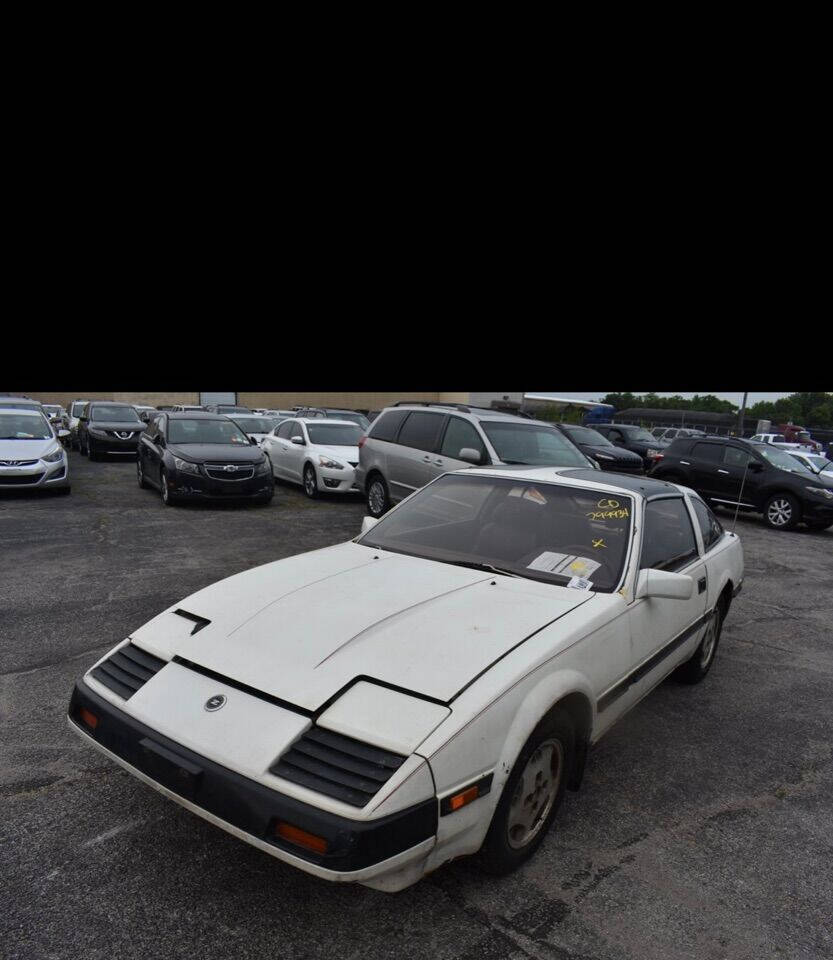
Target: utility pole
[741,415]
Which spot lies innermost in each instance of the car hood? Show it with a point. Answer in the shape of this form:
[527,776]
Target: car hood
[304,628]
[342,454]
[618,453]
[26,449]
[217,452]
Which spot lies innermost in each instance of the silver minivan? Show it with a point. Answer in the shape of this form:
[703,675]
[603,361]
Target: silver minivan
[408,445]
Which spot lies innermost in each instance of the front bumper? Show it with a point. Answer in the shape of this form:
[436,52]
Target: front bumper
[202,487]
[337,481]
[817,510]
[35,475]
[110,444]
[357,850]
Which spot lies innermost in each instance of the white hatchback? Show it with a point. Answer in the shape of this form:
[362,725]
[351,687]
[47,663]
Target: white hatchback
[31,455]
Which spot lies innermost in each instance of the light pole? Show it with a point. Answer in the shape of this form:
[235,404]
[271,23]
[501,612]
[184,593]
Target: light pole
[741,415]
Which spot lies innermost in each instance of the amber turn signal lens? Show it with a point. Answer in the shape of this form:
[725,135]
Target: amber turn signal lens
[88,717]
[301,838]
[461,799]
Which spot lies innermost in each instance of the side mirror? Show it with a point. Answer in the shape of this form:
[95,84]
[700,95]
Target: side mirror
[596,464]
[470,455]
[662,583]
[368,523]
[253,441]
[756,466]
[299,441]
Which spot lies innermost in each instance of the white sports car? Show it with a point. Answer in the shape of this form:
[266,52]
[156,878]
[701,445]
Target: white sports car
[372,710]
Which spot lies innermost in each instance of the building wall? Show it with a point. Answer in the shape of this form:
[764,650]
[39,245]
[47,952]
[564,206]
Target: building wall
[145,399]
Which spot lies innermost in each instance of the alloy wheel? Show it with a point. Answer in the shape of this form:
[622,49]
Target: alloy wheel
[780,512]
[376,498]
[535,793]
[709,643]
[309,482]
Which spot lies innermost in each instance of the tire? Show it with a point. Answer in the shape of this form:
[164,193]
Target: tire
[168,498]
[378,498]
[310,482]
[267,498]
[140,474]
[511,840]
[696,668]
[91,454]
[782,511]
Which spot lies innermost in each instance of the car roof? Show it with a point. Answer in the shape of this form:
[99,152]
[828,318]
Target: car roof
[479,413]
[30,411]
[316,421]
[110,403]
[27,400]
[193,415]
[591,479]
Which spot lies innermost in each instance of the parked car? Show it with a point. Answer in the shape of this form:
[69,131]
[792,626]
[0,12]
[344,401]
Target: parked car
[320,454]
[202,456]
[146,414]
[776,440]
[21,403]
[186,408]
[409,445]
[600,449]
[225,408]
[56,415]
[105,428]
[635,439]
[31,455]
[671,433]
[816,463]
[738,473]
[256,428]
[76,407]
[373,710]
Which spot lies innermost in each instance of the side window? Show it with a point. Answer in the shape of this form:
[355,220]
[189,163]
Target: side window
[757,437]
[458,435]
[734,457]
[421,431]
[668,541]
[283,430]
[385,426]
[288,430]
[713,452]
[614,435]
[710,526]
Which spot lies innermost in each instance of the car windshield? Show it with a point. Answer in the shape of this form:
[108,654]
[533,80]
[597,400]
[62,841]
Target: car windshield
[586,435]
[540,531]
[223,409]
[532,444]
[205,431]
[357,418]
[51,410]
[334,434]
[24,426]
[818,463]
[639,435]
[76,408]
[106,414]
[255,424]
[781,459]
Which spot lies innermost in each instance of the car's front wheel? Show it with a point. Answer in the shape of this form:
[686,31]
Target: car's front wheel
[164,490]
[140,474]
[378,501]
[782,511]
[310,482]
[531,795]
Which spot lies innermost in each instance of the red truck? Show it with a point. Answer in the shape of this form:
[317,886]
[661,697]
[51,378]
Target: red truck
[796,434]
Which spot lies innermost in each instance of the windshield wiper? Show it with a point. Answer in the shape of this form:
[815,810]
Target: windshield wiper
[477,565]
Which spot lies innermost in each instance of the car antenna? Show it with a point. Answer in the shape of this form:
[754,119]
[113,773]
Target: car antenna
[740,495]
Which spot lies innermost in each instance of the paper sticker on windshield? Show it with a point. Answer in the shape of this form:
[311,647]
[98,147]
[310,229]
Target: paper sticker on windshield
[579,583]
[532,494]
[547,561]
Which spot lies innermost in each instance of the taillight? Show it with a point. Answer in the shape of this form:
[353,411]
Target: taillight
[658,456]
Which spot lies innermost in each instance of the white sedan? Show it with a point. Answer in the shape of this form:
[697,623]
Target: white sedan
[370,711]
[31,454]
[320,454]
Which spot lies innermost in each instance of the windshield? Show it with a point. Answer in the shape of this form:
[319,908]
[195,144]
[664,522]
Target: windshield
[357,418]
[105,414]
[640,435]
[255,424]
[819,463]
[227,409]
[76,408]
[586,435]
[334,434]
[532,444]
[205,431]
[540,531]
[24,426]
[780,458]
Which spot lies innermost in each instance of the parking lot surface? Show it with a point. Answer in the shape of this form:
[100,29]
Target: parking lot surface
[703,829]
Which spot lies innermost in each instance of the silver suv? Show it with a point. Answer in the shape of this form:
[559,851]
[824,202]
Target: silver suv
[409,444]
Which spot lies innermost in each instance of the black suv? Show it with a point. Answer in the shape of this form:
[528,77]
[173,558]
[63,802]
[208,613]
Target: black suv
[752,476]
[600,449]
[105,427]
[633,438]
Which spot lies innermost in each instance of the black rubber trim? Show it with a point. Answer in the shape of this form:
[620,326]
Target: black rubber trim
[199,622]
[247,805]
[737,590]
[645,668]
[484,786]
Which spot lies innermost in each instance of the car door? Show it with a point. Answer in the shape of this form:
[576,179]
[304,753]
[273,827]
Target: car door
[665,631]
[413,460]
[723,475]
[293,454]
[279,449]
[705,459]
[459,435]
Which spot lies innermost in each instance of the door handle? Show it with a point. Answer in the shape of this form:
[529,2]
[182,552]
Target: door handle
[722,471]
[685,463]
[701,585]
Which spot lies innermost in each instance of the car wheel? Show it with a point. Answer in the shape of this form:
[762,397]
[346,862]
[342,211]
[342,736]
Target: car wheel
[531,796]
[696,668]
[164,491]
[140,474]
[90,451]
[378,501]
[782,511]
[310,482]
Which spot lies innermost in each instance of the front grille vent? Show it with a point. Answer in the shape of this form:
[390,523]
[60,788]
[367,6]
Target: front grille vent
[230,471]
[26,478]
[353,463]
[337,766]
[127,670]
